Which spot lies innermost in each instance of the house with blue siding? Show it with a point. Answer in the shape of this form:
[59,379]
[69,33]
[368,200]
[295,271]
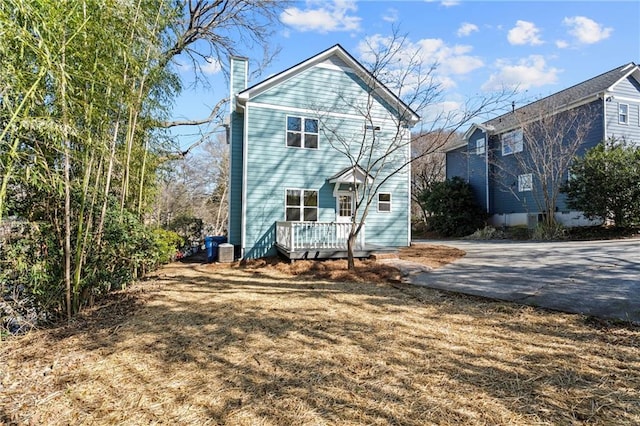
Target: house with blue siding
[294,183]
[610,105]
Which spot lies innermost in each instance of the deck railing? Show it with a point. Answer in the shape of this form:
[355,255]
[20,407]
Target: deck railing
[297,236]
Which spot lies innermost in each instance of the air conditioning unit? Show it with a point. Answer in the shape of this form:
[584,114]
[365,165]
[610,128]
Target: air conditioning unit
[225,253]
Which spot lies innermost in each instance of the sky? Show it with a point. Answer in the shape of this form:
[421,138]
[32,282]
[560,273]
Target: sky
[537,47]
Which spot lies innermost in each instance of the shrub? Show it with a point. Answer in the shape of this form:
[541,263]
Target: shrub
[454,211]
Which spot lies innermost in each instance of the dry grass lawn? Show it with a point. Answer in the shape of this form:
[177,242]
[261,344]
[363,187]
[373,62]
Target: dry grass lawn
[201,344]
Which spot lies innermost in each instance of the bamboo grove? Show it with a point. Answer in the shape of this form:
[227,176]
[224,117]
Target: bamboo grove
[85,92]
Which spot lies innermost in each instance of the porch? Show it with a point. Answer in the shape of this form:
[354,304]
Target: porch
[321,240]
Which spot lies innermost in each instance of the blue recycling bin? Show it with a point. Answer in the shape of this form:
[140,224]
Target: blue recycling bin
[211,244]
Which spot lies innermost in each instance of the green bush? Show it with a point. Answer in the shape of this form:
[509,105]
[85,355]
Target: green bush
[454,211]
[167,243]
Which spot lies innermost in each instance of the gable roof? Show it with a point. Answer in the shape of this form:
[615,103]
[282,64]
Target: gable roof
[341,53]
[569,97]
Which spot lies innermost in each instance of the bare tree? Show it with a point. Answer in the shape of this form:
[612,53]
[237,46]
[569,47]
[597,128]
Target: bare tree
[393,64]
[426,170]
[548,137]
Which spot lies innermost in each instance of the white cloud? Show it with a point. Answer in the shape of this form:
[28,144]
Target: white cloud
[391,15]
[450,3]
[585,30]
[451,60]
[531,71]
[466,29]
[323,17]
[212,66]
[562,44]
[524,33]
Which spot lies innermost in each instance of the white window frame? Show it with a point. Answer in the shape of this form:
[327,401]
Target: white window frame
[625,115]
[480,145]
[389,203]
[302,132]
[301,207]
[525,182]
[513,141]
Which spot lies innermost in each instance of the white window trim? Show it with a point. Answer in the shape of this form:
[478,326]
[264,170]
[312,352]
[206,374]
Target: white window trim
[523,179]
[302,132]
[626,115]
[514,146]
[481,146]
[301,206]
[390,202]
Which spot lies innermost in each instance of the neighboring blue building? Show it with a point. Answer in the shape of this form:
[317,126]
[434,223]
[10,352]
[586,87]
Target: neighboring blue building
[290,188]
[610,100]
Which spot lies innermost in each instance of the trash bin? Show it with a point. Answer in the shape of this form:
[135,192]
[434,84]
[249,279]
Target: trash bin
[211,244]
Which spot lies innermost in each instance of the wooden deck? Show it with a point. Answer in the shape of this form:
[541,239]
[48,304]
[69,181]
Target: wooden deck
[321,240]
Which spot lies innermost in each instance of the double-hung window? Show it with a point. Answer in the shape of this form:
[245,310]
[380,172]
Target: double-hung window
[301,205]
[512,142]
[480,146]
[384,202]
[525,182]
[623,113]
[302,132]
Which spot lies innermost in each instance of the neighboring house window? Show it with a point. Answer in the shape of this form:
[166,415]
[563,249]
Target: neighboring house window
[480,146]
[623,113]
[301,205]
[302,132]
[525,182]
[384,202]
[512,142]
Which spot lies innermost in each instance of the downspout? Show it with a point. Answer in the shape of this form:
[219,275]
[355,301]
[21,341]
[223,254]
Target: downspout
[604,116]
[243,198]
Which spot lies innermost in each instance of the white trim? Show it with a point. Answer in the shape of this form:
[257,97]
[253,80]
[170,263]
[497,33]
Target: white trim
[624,99]
[626,114]
[334,67]
[303,133]
[486,168]
[301,206]
[337,195]
[358,69]
[632,69]
[311,112]
[409,236]
[245,150]
[390,202]
[525,182]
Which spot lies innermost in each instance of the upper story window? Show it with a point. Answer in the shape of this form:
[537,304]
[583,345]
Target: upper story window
[512,142]
[384,202]
[480,146]
[525,182]
[623,113]
[302,132]
[301,205]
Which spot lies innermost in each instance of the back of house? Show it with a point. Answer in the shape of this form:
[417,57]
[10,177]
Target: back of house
[294,179]
[608,106]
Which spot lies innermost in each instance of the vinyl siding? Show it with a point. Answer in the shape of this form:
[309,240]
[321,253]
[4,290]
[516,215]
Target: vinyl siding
[236,121]
[456,163]
[626,92]
[477,169]
[504,195]
[272,166]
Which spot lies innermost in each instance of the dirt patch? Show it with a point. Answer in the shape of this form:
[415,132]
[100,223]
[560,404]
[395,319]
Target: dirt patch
[199,345]
[434,256]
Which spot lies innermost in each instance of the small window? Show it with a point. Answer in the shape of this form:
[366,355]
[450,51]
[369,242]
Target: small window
[480,146]
[623,113]
[345,205]
[525,182]
[512,142]
[384,202]
[301,205]
[302,132]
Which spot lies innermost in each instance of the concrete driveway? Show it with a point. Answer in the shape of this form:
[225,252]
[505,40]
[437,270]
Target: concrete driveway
[599,278]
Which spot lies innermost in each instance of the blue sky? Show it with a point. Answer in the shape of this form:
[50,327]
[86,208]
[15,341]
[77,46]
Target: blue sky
[539,47]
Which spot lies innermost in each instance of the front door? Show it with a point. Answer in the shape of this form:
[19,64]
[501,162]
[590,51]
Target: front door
[344,211]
